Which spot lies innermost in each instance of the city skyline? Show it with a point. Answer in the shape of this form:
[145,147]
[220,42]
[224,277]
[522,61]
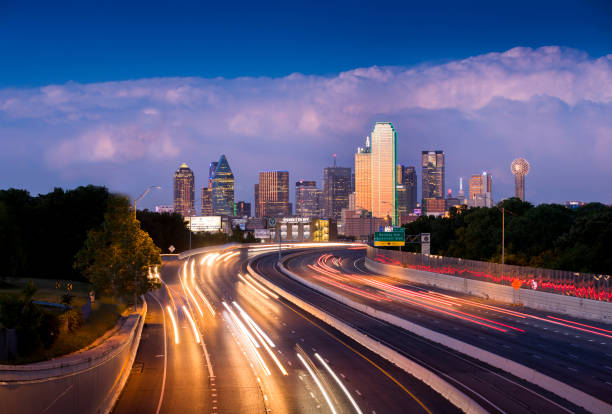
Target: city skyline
[108,110]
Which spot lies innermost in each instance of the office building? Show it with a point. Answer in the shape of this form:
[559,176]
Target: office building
[432,180]
[212,167]
[384,171]
[164,209]
[273,194]
[336,190]
[452,201]
[223,189]
[363,176]
[406,189]
[480,190]
[519,168]
[434,206]
[256,200]
[207,208]
[242,209]
[184,191]
[461,194]
[307,199]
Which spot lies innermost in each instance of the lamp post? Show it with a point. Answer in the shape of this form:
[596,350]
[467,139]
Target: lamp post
[136,200]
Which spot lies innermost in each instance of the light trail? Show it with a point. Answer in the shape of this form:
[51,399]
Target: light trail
[204,259]
[203,297]
[192,271]
[581,324]
[174,325]
[318,382]
[261,286]
[196,334]
[261,335]
[335,377]
[211,259]
[252,341]
[257,328]
[185,286]
[253,286]
[234,254]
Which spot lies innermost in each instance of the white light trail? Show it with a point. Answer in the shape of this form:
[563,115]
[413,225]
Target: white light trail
[211,259]
[316,379]
[196,334]
[333,374]
[250,339]
[192,271]
[253,286]
[210,308]
[204,259]
[261,335]
[234,254]
[262,287]
[176,336]
[257,328]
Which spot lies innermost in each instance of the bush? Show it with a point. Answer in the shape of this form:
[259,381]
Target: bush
[71,320]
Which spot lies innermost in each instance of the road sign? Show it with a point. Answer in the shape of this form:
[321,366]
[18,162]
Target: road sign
[388,243]
[397,237]
[425,238]
[272,222]
[171,249]
[516,284]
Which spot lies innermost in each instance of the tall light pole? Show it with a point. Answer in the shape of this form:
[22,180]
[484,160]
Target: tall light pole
[136,200]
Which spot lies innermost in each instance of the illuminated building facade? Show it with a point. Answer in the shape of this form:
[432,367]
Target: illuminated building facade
[223,189]
[207,209]
[480,190]
[384,170]
[406,190]
[336,190]
[434,206]
[363,176]
[184,191]
[307,199]
[256,200]
[273,194]
[432,185]
[242,209]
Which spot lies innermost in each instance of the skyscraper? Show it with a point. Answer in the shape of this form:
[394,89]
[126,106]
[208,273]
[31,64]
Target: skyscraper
[212,167]
[384,171]
[336,190]
[307,197]
[256,201]
[432,174]
[363,176]
[243,209]
[184,191]
[274,194]
[480,190]
[207,209]
[406,189]
[223,189]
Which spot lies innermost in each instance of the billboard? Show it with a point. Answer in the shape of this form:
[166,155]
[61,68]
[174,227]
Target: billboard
[204,223]
[262,233]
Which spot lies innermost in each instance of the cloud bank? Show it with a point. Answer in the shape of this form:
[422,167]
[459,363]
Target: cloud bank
[551,105]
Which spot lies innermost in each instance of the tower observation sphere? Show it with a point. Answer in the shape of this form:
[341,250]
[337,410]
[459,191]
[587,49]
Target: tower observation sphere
[520,168]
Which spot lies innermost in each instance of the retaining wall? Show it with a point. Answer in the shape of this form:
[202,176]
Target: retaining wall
[448,391]
[86,382]
[567,305]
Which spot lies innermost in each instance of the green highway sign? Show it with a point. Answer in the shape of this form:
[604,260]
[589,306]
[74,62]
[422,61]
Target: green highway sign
[396,237]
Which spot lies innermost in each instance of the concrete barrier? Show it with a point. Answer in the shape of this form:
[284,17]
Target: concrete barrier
[84,382]
[443,387]
[553,385]
[567,305]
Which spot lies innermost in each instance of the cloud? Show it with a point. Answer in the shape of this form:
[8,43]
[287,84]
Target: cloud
[551,105]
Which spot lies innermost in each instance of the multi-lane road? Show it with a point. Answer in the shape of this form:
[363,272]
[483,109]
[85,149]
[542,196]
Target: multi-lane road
[216,341]
[576,352]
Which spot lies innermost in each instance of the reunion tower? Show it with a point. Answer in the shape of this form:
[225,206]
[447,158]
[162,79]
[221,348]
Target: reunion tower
[520,168]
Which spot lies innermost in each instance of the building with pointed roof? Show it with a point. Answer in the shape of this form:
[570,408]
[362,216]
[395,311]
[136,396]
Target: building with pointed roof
[223,189]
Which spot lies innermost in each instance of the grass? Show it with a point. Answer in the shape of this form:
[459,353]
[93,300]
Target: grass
[104,316]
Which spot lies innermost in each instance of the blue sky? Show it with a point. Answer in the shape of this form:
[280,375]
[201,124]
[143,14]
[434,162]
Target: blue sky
[94,92]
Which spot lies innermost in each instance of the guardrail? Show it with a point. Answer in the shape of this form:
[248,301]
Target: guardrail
[562,282]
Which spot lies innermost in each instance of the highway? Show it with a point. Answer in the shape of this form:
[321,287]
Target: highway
[575,352]
[256,353]
[496,391]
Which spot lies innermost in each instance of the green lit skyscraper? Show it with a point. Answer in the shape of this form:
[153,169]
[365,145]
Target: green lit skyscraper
[223,189]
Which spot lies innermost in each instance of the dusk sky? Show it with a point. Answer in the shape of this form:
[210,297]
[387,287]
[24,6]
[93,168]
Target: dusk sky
[118,95]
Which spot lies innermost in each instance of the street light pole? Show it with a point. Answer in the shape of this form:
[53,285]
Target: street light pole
[136,200]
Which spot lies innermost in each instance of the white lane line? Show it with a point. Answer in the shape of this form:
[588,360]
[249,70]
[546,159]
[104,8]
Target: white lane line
[318,382]
[163,386]
[346,392]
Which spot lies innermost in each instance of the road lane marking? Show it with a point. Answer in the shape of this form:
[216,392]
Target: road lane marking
[163,386]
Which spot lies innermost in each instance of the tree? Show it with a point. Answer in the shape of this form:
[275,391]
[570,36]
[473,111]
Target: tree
[117,256]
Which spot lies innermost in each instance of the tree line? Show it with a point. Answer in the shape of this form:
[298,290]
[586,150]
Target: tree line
[548,235]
